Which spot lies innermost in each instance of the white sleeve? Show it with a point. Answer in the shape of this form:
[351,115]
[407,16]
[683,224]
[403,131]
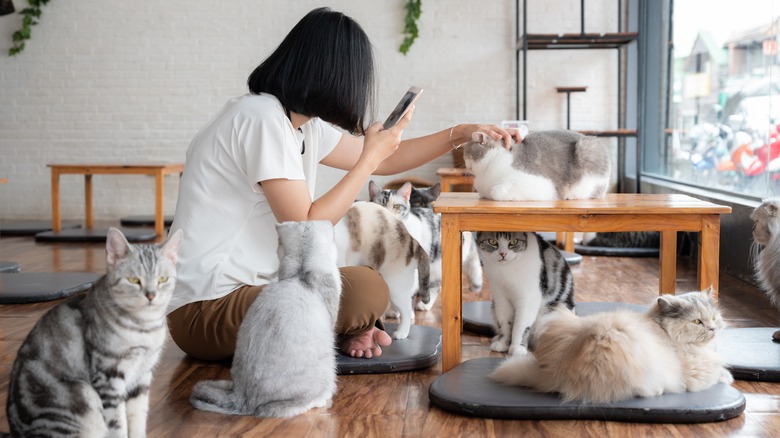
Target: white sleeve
[329,138]
[270,150]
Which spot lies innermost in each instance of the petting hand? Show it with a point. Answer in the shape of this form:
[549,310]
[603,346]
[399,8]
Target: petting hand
[496,132]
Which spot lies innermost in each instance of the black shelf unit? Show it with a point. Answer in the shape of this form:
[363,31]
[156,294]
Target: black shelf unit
[576,41]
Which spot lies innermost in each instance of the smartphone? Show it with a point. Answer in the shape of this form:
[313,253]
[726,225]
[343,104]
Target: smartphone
[403,106]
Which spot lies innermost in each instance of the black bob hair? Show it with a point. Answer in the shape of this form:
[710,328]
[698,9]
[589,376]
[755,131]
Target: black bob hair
[323,68]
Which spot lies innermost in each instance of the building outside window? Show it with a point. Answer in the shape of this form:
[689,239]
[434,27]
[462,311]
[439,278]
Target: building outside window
[723,107]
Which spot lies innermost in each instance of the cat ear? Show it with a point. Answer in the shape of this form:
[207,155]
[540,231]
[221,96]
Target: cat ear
[373,189]
[405,190]
[479,137]
[435,191]
[117,246]
[170,247]
[665,303]
[771,209]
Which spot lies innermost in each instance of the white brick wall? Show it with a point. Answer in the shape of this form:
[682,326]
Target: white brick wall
[119,81]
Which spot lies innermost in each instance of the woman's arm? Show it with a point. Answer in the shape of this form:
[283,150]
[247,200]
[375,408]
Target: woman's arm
[290,199]
[415,152]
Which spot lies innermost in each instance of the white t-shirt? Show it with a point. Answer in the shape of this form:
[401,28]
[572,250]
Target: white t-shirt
[229,229]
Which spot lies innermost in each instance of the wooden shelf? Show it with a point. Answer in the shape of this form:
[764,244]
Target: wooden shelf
[574,41]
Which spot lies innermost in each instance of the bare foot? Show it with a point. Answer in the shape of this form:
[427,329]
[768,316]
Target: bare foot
[366,344]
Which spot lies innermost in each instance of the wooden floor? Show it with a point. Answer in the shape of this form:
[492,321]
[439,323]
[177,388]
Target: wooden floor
[396,405]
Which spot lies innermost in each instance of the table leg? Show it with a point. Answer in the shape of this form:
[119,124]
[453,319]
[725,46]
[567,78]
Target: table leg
[451,297]
[56,220]
[668,260]
[88,211]
[159,220]
[709,253]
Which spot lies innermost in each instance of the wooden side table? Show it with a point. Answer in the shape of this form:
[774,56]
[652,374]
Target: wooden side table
[615,212]
[158,170]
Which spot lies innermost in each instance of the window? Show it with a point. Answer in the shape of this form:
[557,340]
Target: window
[723,103]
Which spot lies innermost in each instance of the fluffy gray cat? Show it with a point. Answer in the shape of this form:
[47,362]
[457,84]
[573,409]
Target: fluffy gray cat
[285,360]
[527,276]
[612,356]
[766,230]
[86,367]
[547,165]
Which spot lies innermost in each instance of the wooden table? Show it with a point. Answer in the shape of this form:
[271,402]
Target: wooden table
[158,170]
[615,212]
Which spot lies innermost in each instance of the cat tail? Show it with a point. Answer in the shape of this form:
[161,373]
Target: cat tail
[519,370]
[216,396]
[423,273]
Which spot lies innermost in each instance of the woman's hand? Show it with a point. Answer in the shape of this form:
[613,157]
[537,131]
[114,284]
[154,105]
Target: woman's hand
[463,134]
[380,143]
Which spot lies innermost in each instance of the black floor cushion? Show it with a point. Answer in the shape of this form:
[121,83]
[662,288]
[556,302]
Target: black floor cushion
[422,349]
[751,353]
[95,235]
[143,221]
[13,228]
[466,390]
[33,287]
[478,315]
[10,267]
[616,252]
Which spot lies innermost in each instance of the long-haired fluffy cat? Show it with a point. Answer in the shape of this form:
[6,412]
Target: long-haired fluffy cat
[546,165]
[86,367]
[527,276]
[766,235]
[285,361]
[612,356]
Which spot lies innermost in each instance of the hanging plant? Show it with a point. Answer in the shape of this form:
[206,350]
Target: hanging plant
[31,16]
[413,10]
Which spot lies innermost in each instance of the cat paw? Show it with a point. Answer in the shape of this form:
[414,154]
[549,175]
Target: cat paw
[500,193]
[475,287]
[422,306]
[516,350]
[392,314]
[726,377]
[401,334]
[499,346]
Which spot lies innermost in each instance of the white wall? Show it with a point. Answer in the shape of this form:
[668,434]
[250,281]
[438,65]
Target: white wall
[119,81]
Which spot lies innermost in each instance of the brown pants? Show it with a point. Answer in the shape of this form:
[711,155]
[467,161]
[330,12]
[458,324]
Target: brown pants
[208,329]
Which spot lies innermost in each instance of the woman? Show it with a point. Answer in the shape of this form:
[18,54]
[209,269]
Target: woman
[254,164]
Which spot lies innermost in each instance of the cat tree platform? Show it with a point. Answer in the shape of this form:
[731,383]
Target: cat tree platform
[33,287]
[466,390]
[422,349]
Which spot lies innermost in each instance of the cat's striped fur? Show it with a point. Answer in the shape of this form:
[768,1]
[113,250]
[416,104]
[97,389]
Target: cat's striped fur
[370,235]
[285,360]
[425,226]
[86,367]
[527,277]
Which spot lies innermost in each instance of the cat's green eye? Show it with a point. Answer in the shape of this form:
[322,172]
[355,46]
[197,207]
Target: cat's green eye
[696,321]
[513,242]
[134,280]
[493,242]
[162,280]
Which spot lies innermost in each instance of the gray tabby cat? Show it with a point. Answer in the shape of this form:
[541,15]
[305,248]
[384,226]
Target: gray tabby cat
[285,361]
[547,165]
[425,226]
[625,239]
[527,276]
[766,233]
[612,356]
[370,235]
[86,367]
